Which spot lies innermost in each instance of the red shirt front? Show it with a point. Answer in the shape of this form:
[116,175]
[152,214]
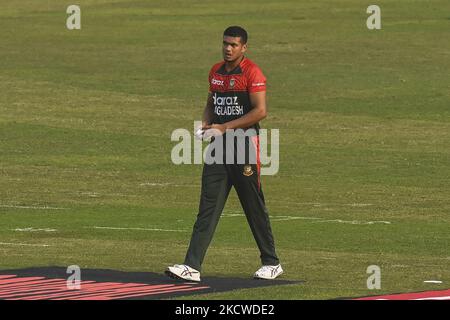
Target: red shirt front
[231,90]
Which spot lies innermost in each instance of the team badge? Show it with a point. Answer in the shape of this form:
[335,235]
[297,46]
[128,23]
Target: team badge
[232,82]
[247,171]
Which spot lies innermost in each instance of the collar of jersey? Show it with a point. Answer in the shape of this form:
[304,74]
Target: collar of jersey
[236,70]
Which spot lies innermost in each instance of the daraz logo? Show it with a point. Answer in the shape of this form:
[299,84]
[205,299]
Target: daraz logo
[225,101]
[217,82]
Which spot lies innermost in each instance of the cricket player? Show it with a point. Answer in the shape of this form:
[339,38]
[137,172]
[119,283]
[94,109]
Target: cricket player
[236,100]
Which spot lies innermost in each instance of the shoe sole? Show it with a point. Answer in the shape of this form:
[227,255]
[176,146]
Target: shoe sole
[172,275]
[259,278]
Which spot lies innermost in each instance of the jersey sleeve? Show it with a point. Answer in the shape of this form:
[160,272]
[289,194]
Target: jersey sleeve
[211,72]
[256,81]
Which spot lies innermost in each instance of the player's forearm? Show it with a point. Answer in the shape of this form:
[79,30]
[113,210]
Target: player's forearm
[208,112]
[207,117]
[248,120]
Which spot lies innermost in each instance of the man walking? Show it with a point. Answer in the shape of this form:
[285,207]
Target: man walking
[236,100]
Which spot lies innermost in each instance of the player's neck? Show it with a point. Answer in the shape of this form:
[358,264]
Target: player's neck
[229,66]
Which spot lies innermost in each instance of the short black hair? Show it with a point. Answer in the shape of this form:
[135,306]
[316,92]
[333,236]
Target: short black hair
[236,31]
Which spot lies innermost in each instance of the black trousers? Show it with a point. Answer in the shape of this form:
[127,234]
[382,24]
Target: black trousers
[217,180]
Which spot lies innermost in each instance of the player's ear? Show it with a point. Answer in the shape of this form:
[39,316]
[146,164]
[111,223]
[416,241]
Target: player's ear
[244,48]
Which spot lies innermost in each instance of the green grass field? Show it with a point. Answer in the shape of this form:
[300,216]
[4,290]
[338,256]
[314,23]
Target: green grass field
[364,118]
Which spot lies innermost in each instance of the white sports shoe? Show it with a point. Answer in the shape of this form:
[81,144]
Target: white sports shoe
[183,272]
[268,272]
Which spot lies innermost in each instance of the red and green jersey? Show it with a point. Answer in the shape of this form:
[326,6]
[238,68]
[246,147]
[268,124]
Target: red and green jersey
[231,90]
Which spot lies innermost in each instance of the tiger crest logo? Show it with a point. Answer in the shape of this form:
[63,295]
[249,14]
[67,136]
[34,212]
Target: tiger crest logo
[247,171]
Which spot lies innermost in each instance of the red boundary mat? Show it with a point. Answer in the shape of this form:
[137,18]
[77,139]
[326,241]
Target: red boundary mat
[13,287]
[425,295]
[50,283]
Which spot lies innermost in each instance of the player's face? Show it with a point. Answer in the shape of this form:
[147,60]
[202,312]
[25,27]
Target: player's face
[232,48]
